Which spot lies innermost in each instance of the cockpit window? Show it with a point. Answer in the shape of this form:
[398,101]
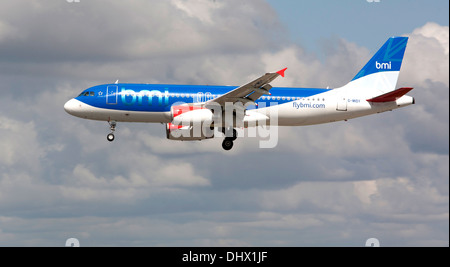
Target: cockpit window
[87,93]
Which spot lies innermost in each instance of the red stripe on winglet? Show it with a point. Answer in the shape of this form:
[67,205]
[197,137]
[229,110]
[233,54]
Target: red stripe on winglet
[391,96]
[281,72]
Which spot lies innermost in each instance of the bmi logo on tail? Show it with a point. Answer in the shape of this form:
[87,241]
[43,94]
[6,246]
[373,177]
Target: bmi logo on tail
[383,66]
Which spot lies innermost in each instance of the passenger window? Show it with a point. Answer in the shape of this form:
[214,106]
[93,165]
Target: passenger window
[92,93]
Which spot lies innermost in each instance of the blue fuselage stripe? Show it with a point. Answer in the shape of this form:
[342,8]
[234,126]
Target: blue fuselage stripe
[160,97]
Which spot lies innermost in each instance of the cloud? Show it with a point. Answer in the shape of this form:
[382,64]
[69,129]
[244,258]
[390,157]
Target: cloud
[19,137]
[201,10]
[58,31]
[437,32]
[426,68]
[427,55]
[7,32]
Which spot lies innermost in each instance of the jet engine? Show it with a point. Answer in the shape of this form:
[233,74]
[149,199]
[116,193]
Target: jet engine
[190,123]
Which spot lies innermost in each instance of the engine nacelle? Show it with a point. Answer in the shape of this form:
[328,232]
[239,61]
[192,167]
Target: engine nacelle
[190,123]
[188,133]
[192,116]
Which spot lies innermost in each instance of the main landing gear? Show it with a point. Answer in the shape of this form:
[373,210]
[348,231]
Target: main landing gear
[227,143]
[112,125]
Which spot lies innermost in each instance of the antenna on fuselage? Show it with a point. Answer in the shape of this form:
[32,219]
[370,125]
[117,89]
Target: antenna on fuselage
[117,82]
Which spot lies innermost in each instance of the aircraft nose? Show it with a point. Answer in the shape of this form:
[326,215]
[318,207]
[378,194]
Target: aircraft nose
[72,106]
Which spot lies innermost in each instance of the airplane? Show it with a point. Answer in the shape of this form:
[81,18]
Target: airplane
[192,112]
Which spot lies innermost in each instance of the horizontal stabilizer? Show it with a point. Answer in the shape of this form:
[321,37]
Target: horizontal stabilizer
[391,96]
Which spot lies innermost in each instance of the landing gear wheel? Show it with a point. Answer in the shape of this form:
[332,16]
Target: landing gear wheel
[112,125]
[110,137]
[227,144]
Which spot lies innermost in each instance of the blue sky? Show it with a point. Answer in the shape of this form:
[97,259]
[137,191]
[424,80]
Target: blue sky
[367,24]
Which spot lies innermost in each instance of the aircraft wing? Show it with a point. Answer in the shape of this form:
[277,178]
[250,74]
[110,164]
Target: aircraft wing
[250,92]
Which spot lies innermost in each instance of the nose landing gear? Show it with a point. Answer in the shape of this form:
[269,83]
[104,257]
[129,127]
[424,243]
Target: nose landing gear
[112,125]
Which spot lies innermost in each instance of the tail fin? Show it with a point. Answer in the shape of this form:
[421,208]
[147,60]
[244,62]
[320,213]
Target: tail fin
[381,73]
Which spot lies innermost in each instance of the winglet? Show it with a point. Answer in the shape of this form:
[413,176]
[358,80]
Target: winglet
[281,72]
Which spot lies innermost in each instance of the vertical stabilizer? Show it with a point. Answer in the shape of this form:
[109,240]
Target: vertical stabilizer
[381,73]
